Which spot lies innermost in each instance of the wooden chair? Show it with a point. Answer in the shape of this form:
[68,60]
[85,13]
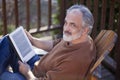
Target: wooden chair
[104,42]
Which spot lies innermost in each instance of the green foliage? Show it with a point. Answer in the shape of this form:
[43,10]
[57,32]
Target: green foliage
[10,28]
[37,35]
[55,18]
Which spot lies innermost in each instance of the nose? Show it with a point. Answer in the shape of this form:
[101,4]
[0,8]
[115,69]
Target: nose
[66,27]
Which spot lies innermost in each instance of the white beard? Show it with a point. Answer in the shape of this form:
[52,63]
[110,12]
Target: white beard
[73,37]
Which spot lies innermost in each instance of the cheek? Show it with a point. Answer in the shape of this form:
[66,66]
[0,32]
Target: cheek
[75,32]
[67,29]
[70,30]
[64,28]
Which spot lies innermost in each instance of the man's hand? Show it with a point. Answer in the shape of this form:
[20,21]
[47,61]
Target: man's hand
[24,68]
[42,44]
[30,37]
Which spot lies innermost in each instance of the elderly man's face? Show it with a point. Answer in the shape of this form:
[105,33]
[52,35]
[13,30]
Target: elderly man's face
[72,26]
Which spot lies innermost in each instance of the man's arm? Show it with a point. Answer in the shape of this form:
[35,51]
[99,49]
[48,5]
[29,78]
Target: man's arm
[25,70]
[45,45]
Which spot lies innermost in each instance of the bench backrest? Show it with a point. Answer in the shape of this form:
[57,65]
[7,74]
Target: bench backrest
[104,42]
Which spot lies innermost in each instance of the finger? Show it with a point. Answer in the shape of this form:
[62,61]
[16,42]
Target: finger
[25,30]
[28,34]
[20,63]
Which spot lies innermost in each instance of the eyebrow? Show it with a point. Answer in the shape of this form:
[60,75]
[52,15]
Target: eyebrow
[70,22]
[65,21]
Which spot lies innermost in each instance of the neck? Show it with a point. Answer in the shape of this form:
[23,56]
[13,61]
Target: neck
[80,40]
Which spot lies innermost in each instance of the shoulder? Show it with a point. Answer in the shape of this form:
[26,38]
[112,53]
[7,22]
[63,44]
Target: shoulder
[56,41]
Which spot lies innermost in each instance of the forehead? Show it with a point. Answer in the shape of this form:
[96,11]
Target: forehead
[74,16]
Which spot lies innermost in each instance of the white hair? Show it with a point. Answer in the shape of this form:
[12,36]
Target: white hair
[88,20]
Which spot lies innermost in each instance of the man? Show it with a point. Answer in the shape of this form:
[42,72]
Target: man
[69,58]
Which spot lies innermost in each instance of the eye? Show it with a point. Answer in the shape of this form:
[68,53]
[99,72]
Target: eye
[73,25]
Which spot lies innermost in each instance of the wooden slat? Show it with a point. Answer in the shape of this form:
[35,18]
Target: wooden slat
[49,13]
[27,15]
[93,78]
[95,14]
[118,27]
[111,20]
[103,15]
[4,17]
[16,14]
[67,4]
[104,45]
[110,64]
[75,1]
[117,49]
[34,31]
[38,15]
[62,12]
[82,1]
[117,55]
[88,3]
[98,38]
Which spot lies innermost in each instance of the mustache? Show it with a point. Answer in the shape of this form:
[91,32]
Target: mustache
[67,32]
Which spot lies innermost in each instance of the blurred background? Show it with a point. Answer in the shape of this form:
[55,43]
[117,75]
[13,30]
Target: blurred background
[45,18]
